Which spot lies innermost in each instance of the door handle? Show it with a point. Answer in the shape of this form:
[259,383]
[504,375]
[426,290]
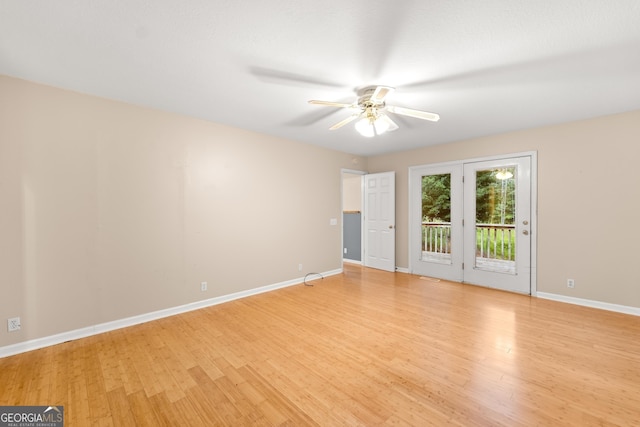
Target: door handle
[391,226]
[525,232]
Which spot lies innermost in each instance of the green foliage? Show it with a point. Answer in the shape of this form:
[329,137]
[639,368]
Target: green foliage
[436,198]
[495,198]
[495,204]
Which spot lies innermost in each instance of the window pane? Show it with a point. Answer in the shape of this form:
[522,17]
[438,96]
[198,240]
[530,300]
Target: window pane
[495,220]
[436,218]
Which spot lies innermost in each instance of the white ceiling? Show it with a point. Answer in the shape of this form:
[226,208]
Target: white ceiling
[486,67]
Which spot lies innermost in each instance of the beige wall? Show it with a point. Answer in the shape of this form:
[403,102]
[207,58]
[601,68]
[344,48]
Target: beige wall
[352,192]
[111,210]
[588,201]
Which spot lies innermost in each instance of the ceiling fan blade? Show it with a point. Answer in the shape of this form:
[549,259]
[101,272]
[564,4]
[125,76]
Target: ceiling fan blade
[380,94]
[284,77]
[331,104]
[424,115]
[344,122]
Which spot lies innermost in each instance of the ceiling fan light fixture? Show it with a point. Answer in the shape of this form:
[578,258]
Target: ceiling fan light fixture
[365,128]
[372,126]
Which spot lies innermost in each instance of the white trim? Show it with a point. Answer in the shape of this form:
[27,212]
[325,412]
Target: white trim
[402,270]
[351,261]
[477,159]
[590,303]
[37,343]
[534,221]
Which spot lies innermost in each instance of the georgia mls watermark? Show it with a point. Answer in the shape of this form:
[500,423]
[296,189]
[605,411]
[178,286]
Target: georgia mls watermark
[31,416]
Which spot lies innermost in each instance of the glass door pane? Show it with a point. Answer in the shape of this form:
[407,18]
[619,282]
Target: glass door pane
[436,218]
[495,229]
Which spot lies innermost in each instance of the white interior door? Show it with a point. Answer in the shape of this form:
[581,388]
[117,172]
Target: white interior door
[379,218]
[473,222]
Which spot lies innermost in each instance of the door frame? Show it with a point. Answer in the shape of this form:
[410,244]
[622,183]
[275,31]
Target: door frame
[344,171]
[534,204]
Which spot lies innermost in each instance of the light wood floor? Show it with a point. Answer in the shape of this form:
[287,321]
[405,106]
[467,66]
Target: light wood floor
[362,348]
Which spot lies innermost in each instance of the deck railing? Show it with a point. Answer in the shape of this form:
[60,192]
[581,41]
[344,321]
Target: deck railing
[436,237]
[493,241]
[496,241]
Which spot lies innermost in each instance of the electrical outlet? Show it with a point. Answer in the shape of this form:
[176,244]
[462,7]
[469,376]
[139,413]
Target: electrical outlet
[203,286]
[299,267]
[571,283]
[345,250]
[13,324]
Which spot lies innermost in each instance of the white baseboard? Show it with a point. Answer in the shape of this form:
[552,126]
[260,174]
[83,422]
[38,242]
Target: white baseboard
[402,270]
[591,303]
[35,344]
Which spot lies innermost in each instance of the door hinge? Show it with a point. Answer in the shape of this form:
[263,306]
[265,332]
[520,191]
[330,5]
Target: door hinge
[463,222]
[463,265]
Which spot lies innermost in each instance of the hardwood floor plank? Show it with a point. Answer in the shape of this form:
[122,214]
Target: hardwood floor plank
[96,390]
[121,412]
[205,409]
[143,411]
[188,413]
[366,347]
[223,406]
[166,413]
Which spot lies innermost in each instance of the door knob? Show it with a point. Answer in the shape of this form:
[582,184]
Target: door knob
[391,226]
[525,232]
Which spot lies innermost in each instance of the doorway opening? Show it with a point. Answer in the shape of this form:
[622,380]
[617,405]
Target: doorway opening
[368,200]
[352,199]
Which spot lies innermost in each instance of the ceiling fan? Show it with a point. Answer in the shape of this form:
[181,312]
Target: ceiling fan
[371,109]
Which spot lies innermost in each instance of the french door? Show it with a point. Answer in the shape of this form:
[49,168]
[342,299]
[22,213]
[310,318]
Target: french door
[436,202]
[472,222]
